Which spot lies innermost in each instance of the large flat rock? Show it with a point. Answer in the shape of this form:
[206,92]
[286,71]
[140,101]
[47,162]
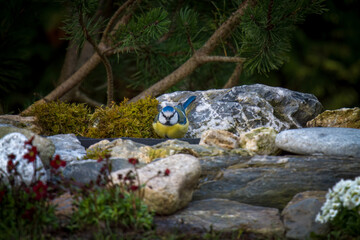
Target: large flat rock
[224,216]
[321,141]
[272,181]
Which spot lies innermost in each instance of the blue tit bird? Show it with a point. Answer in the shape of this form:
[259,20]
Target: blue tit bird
[171,122]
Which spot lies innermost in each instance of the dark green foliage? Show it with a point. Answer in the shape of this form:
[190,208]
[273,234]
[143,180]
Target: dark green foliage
[93,23]
[144,29]
[26,210]
[346,224]
[106,205]
[23,217]
[325,57]
[322,54]
[267,30]
[111,207]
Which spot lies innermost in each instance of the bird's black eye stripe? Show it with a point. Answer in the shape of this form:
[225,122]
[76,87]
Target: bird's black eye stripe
[163,114]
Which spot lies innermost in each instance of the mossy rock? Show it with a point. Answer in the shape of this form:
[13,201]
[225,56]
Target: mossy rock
[124,120]
[118,120]
[344,117]
[61,118]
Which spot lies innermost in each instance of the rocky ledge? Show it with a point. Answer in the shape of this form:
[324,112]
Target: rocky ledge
[243,176]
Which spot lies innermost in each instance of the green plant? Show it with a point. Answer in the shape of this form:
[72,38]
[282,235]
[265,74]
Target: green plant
[25,210]
[96,153]
[342,210]
[160,43]
[107,205]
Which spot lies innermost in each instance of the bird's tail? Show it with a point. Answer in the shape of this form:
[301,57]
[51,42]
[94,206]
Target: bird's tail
[188,101]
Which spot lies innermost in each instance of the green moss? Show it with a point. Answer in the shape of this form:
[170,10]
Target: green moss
[119,120]
[60,118]
[96,153]
[125,120]
[157,153]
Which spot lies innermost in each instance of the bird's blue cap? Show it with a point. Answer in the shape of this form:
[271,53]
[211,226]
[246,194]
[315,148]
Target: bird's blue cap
[168,109]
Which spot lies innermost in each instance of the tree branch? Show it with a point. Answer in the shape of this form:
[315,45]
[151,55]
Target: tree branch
[81,73]
[81,97]
[206,59]
[104,59]
[71,82]
[233,79]
[195,61]
[114,17]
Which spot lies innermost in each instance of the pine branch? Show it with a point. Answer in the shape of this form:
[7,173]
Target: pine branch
[104,59]
[192,63]
[233,79]
[269,25]
[190,42]
[206,59]
[115,16]
[82,72]
[67,85]
[126,18]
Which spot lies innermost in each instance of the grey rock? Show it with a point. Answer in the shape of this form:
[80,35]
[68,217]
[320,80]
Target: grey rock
[85,171]
[272,181]
[28,123]
[176,146]
[242,108]
[44,146]
[14,143]
[68,147]
[212,167]
[300,213]
[120,148]
[225,216]
[321,141]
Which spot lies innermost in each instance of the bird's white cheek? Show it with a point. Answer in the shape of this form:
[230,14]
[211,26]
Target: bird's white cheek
[174,119]
[162,119]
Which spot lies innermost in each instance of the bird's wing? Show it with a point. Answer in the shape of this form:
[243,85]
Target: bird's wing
[182,116]
[188,101]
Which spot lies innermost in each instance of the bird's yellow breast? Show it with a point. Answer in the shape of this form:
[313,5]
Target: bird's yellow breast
[174,131]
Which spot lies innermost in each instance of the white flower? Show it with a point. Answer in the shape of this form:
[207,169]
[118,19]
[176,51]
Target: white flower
[333,213]
[356,200]
[319,218]
[345,193]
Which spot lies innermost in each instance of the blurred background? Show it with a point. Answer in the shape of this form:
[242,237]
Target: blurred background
[324,60]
